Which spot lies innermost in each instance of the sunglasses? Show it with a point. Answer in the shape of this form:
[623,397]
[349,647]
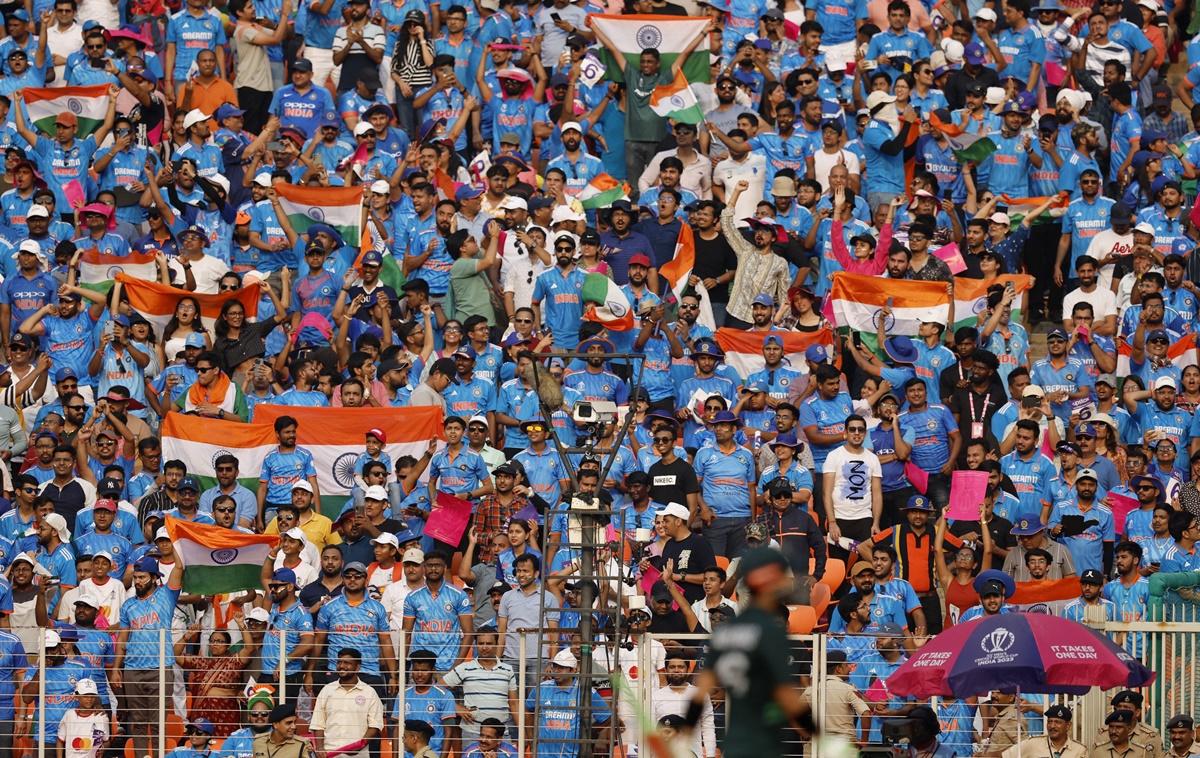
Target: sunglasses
[687,307]
[857,430]
[806,81]
[522,321]
[224,510]
[663,440]
[1147,487]
[564,249]
[204,369]
[76,407]
[535,428]
[227,287]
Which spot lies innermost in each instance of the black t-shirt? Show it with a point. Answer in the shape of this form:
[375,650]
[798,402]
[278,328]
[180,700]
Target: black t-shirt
[1000,529]
[976,407]
[713,258]
[672,482]
[692,555]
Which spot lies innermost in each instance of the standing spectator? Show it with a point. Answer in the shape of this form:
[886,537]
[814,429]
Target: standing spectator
[354,620]
[521,608]
[438,617]
[348,712]
[689,554]
[852,489]
[559,730]
[489,688]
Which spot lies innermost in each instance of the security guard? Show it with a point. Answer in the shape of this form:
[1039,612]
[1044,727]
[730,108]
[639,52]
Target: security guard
[1141,733]
[1056,743]
[1119,743]
[281,741]
[417,734]
[1181,731]
[1002,725]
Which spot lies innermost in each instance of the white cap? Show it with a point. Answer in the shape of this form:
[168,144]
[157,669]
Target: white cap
[568,126]
[564,213]
[1087,473]
[29,246]
[363,127]
[37,210]
[1033,390]
[1000,218]
[676,510]
[1149,5]
[193,117]
[263,179]
[87,600]
[253,276]
[296,533]
[564,658]
[477,420]
[58,524]
[220,181]
[994,95]
[1164,381]
[26,557]
[413,555]
[302,484]
[986,14]
[162,534]
[878,98]
[103,554]
[381,187]
[953,49]
[386,538]
[836,63]
[52,638]
[257,614]
[636,602]
[86,687]
[513,203]
[375,492]
[1145,228]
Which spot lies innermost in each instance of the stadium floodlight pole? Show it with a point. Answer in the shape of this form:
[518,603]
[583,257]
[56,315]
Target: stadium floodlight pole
[589,524]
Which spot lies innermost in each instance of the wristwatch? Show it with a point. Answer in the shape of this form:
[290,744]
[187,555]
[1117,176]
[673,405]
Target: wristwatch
[221,413]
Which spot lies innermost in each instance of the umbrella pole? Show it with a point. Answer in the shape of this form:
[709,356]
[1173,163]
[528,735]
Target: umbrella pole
[1020,718]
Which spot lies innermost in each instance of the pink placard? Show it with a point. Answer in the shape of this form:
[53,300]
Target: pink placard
[649,577]
[917,476]
[448,519]
[1122,506]
[967,489]
[952,257]
[73,192]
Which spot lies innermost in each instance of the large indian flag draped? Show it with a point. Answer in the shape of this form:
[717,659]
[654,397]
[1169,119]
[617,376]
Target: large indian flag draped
[334,436]
[677,270]
[967,147]
[1182,352]
[970,297]
[218,560]
[855,301]
[605,303]
[157,301]
[98,270]
[601,192]
[89,104]
[670,35]
[340,207]
[743,350]
[676,101]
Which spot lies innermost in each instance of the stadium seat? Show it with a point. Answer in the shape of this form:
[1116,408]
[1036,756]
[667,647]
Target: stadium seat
[801,619]
[820,598]
[835,573]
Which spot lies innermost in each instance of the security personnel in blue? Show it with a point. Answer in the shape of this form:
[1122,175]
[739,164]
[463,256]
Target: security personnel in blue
[994,587]
[552,710]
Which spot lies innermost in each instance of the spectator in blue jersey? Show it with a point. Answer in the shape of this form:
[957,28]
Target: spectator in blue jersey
[355,620]
[935,440]
[1085,525]
[439,617]
[728,499]
[559,730]
[994,588]
[282,468]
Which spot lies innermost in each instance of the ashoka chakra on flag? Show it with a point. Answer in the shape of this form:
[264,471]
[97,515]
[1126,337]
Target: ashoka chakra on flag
[649,36]
[224,556]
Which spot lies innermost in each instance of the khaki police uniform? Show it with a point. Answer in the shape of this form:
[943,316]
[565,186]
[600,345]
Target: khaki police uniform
[265,747]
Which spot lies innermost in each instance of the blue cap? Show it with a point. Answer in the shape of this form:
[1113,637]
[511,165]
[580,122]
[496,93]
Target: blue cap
[707,347]
[67,633]
[1027,524]
[992,582]
[773,339]
[764,299]
[284,575]
[725,417]
[1158,334]
[900,349]
[465,351]
[467,192]
[89,25]
[974,54]
[1010,106]
[816,354]
[599,342]
[121,319]
[146,564]
[189,483]
[372,258]
[204,726]
[1150,135]
[788,439]
[64,373]
[228,110]
[1027,102]
[195,339]
[1057,332]
[918,503]
[1085,429]
[1157,185]
[21,14]
[1047,5]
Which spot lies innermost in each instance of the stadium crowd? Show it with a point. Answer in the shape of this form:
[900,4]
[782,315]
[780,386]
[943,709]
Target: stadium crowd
[533,190]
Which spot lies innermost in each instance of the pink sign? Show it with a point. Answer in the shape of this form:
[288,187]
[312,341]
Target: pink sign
[916,475]
[1122,506]
[952,257]
[448,519]
[967,489]
[73,192]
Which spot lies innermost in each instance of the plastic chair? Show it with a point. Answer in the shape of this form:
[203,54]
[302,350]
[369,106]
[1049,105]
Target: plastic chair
[835,573]
[820,598]
[801,619]
[722,562]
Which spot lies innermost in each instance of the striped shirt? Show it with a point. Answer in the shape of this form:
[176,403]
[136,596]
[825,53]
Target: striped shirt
[485,690]
[757,274]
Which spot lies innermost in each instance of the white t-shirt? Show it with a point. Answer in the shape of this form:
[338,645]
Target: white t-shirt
[1104,244]
[207,272]
[824,162]
[1102,300]
[853,473]
[63,43]
[754,170]
[111,595]
[83,736]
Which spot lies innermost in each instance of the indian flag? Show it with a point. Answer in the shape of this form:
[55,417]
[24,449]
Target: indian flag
[605,303]
[743,350]
[1020,207]
[334,436]
[217,560]
[157,301]
[601,192]
[967,147]
[89,104]
[340,207]
[855,301]
[970,297]
[676,101]
[1049,596]
[98,270]
[1182,352]
[670,35]
[677,271]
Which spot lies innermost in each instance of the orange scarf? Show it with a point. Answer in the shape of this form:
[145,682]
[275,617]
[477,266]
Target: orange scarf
[220,393]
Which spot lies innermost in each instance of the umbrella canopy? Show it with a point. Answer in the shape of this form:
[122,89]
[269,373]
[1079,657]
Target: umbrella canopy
[1024,652]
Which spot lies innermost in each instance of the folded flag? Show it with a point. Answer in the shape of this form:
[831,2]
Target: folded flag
[89,104]
[676,101]
[670,35]
[743,350]
[1182,352]
[217,560]
[601,192]
[605,303]
[339,207]
[97,270]
[967,147]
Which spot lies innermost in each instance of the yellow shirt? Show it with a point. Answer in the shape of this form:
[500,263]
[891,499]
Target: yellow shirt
[318,529]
